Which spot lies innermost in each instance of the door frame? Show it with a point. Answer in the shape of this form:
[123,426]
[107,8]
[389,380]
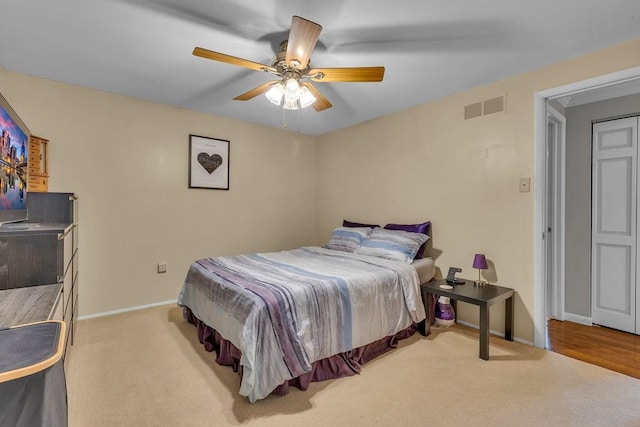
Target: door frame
[555,259]
[540,187]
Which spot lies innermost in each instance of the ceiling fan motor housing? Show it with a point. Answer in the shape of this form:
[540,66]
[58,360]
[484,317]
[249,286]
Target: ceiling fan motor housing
[281,66]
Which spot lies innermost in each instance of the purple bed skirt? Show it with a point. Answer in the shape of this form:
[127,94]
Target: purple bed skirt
[341,365]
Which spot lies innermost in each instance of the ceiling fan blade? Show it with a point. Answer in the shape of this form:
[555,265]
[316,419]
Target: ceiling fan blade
[355,74]
[303,37]
[217,56]
[321,102]
[254,92]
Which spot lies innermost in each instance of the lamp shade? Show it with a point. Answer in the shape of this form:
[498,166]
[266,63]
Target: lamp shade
[274,94]
[480,262]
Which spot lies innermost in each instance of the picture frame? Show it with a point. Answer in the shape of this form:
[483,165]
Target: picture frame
[208,162]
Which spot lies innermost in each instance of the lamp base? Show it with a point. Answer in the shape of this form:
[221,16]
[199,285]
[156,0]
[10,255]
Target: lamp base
[480,282]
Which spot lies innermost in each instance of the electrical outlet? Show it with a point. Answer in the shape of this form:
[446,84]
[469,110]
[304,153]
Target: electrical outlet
[524,185]
[162,267]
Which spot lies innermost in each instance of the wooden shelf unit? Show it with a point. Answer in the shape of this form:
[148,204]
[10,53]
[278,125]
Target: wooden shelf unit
[38,180]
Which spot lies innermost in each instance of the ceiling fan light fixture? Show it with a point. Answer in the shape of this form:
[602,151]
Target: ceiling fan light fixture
[291,85]
[290,94]
[306,97]
[276,93]
[290,102]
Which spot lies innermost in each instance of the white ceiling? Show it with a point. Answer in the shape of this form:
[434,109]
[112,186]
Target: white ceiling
[430,48]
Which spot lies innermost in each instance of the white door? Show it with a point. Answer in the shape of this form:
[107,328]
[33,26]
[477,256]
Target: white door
[614,239]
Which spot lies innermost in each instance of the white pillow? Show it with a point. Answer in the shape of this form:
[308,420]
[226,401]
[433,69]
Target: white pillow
[348,239]
[395,245]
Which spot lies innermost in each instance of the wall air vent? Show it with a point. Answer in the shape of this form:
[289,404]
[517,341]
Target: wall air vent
[493,105]
[484,107]
[472,110]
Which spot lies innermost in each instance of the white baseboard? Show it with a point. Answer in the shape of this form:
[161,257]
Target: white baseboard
[124,310]
[578,319]
[491,331]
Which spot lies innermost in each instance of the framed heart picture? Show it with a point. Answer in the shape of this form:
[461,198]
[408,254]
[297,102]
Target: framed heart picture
[208,163]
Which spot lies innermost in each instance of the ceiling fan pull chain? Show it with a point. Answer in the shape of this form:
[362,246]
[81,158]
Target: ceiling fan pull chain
[299,115]
[284,118]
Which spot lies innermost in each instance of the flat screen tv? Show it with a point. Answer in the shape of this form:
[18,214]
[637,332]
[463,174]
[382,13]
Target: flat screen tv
[14,149]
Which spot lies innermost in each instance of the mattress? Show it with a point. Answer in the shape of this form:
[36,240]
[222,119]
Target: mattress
[426,269]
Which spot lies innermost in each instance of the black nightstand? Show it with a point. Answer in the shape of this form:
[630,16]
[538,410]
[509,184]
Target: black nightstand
[482,296]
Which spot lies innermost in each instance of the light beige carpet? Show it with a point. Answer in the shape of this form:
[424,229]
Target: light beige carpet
[147,368]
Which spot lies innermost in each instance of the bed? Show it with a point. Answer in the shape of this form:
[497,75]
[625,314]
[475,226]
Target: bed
[307,314]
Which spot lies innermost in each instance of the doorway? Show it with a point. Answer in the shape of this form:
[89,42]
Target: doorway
[549,198]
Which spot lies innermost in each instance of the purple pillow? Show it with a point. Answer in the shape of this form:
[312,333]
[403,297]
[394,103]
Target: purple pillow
[413,228]
[346,223]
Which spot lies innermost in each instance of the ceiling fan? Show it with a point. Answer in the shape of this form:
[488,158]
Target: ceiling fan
[292,65]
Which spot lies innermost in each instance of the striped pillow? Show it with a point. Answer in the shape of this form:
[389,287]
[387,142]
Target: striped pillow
[347,239]
[395,245]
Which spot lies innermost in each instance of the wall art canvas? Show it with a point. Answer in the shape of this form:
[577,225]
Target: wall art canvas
[208,163]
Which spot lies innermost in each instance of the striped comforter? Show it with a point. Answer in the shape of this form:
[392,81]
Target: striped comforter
[285,310]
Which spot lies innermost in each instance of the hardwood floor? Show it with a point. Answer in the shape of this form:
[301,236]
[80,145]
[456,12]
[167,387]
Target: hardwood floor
[609,348]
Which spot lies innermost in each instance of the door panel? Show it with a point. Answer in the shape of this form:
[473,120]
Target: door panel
[614,266]
[614,224]
[614,196]
[616,138]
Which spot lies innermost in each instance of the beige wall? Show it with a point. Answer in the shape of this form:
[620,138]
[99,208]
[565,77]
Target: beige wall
[427,163]
[127,161]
